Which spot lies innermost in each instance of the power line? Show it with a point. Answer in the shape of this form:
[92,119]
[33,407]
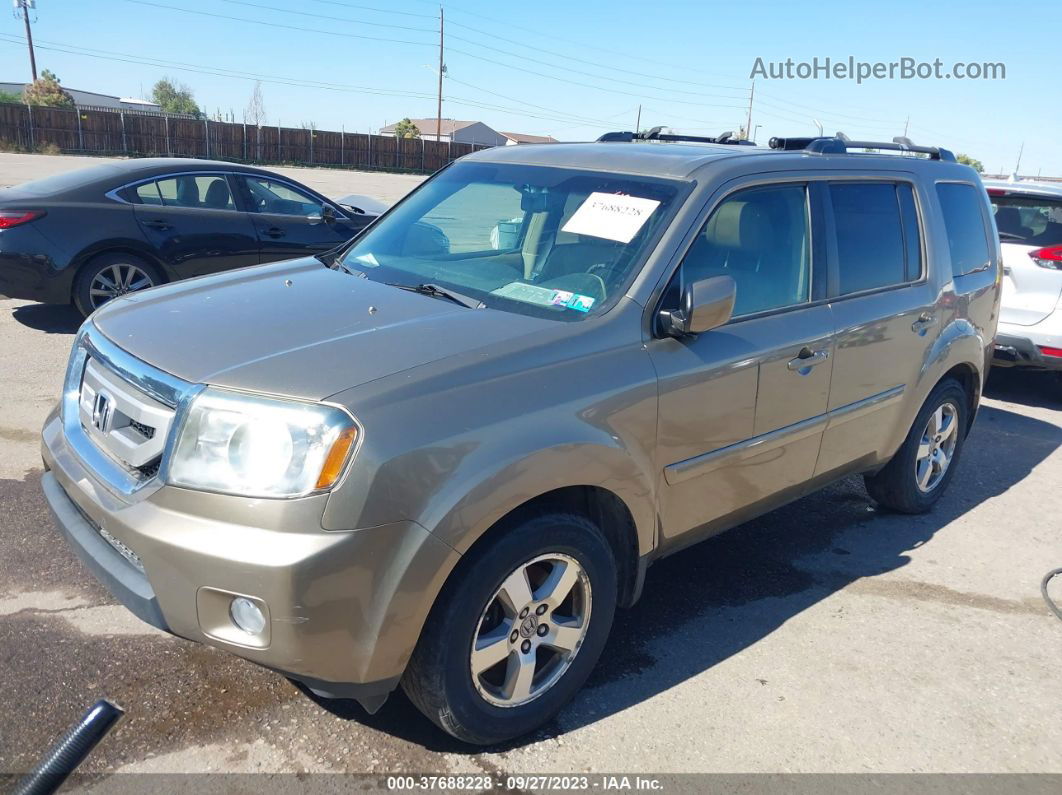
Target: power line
[555,115]
[586,85]
[610,67]
[304,13]
[475,43]
[215,71]
[374,8]
[588,74]
[278,25]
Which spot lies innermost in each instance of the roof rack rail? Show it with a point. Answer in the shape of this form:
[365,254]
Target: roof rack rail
[655,134]
[840,143]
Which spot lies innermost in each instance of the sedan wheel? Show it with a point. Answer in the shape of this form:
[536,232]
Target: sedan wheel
[117,280]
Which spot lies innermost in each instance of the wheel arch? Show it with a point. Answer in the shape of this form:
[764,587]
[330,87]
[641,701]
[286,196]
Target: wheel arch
[608,512]
[137,249]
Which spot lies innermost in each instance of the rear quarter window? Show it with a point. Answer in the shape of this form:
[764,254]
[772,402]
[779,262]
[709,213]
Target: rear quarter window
[964,221]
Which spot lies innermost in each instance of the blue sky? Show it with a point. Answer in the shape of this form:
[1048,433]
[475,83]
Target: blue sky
[572,69]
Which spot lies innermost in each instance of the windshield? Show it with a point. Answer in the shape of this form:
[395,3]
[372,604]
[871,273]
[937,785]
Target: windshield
[543,241]
[1032,220]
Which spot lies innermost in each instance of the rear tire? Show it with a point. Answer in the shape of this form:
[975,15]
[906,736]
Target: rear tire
[108,276]
[469,672]
[918,474]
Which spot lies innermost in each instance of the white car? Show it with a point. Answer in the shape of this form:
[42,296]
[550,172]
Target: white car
[1029,219]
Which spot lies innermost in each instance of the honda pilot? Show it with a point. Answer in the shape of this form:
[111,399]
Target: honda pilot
[442,456]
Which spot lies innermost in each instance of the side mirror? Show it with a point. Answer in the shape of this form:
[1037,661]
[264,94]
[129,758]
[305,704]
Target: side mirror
[327,216]
[706,304]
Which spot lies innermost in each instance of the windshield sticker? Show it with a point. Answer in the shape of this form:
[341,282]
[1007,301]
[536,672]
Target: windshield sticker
[543,296]
[612,216]
[368,259]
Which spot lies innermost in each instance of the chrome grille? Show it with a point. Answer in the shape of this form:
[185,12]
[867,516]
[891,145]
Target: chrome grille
[121,420]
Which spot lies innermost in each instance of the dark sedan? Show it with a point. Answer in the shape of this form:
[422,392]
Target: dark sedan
[87,236]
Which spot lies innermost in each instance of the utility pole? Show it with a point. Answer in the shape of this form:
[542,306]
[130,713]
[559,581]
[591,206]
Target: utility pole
[748,121]
[442,67]
[26,5]
[638,121]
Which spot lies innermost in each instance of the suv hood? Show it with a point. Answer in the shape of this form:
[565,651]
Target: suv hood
[297,328]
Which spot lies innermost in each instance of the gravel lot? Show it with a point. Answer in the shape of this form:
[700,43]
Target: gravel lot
[824,637]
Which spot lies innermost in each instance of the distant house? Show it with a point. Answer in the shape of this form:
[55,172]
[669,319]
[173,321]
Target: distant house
[512,139]
[464,132]
[93,100]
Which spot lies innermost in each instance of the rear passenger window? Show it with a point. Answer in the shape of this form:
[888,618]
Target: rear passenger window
[206,192]
[962,206]
[871,242]
[760,238]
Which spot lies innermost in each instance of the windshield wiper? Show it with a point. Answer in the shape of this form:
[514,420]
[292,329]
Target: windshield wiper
[435,291]
[1011,236]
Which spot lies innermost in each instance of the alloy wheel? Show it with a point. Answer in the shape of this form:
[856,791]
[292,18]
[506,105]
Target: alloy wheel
[531,630]
[117,280]
[936,448]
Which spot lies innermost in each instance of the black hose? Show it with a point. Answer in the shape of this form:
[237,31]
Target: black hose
[1047,597]
[69,752]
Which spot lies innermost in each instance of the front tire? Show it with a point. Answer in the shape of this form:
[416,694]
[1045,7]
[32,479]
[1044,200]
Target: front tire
[109,276]
[918,474]
[516,631]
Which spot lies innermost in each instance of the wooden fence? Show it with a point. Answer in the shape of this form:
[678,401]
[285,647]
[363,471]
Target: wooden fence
[143,134]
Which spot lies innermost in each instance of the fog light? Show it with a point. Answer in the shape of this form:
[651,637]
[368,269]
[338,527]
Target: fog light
[247,615]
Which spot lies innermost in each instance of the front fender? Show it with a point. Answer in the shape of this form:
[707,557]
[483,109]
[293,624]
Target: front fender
[470,506]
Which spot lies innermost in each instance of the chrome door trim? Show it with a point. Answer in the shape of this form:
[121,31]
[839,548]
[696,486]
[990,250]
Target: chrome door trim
[868,405]
[682,471]
[739,451]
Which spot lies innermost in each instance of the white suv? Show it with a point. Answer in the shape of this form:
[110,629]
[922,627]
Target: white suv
[1029,220]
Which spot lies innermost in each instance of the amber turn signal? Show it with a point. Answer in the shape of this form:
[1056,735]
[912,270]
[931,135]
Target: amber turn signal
[337,456]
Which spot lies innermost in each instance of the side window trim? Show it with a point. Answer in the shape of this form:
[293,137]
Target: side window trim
[834,293]
[127,193]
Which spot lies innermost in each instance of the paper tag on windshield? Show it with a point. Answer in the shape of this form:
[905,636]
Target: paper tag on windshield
[611,216]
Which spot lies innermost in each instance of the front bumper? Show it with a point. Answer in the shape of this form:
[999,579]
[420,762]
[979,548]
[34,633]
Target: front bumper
[344,609]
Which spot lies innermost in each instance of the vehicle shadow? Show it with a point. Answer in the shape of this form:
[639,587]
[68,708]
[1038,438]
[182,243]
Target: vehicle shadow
[1025,387]
[717,598]
[50,318]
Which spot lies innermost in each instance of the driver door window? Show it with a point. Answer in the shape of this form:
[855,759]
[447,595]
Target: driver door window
[760,237]
[272,196]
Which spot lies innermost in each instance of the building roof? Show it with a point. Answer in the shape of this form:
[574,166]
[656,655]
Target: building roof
[427,126]
[523,138]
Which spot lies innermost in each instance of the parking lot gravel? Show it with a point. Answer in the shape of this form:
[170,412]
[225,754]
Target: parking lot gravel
[824,637]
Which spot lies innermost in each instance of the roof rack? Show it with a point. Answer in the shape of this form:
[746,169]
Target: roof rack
[655,134]
[840,143]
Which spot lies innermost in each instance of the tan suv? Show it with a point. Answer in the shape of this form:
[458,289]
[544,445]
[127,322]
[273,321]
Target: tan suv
[443,455]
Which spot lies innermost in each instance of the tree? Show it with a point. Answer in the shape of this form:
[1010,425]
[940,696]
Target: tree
[255,113]
[7,96]
[46,92]
[174,97]
[406,129]
[966,160]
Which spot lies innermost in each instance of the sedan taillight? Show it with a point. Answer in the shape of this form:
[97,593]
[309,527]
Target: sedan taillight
[1049,257]
[10,218]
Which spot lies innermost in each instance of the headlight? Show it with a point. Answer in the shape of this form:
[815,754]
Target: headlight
[260,447]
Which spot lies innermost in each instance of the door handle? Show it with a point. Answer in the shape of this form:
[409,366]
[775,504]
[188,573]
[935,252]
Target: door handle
[158,223]
[274,231]
[924,322]
[807,359]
